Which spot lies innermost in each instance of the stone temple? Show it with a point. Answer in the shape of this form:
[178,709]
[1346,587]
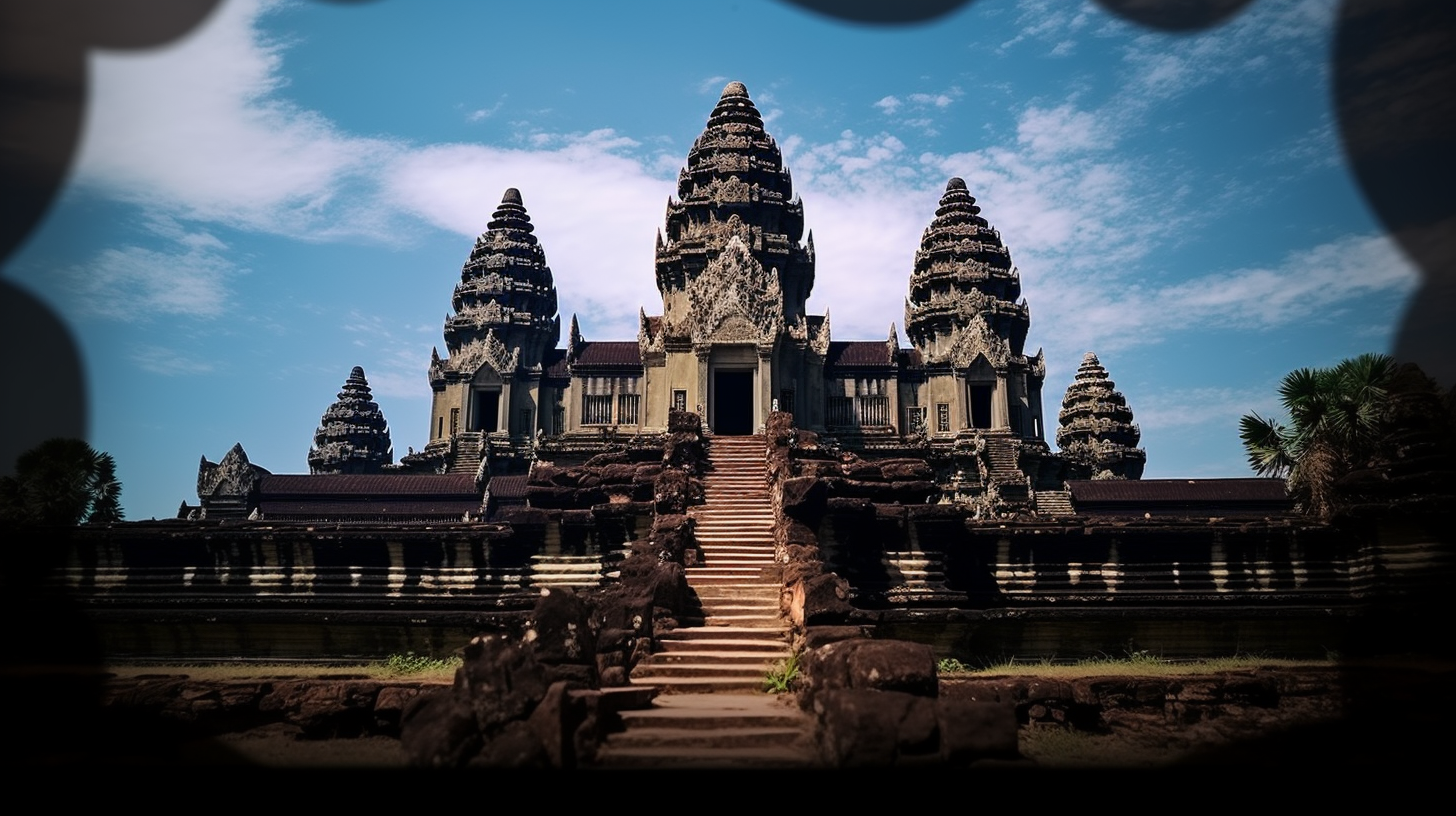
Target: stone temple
[733,341]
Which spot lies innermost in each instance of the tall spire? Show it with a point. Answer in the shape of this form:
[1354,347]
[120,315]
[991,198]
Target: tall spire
[352,436]
[505,288]
[734,185]
[1096,432]
[963,288]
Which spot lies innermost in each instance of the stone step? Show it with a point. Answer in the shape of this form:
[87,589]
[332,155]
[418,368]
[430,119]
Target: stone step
[740,683]
[761,658]
[721,634]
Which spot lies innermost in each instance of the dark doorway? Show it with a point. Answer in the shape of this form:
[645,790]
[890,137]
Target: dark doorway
[733,403]
[486,415]
[981,406]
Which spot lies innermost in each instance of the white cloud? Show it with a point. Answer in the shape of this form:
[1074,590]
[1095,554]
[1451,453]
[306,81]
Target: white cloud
[888,104]
[1337,280]
[1061,130]
[187,278]
[1200,407]
[595,212]
[481,114]
[168,362]
[940,100]
[194,130]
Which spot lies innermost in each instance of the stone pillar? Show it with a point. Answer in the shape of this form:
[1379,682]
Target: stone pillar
[1000,400]
[763,388]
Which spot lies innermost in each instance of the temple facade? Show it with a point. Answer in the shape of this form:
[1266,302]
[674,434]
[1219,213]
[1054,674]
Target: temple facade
[733,340]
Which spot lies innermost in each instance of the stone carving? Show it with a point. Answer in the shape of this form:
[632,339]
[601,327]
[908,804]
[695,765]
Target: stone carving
[975,339]
[647,341]
[736,299]
[819,343]
[353,436]
[233,475]
[734,188]
[486,351]
[963,289]
[506,297]
[1096,433]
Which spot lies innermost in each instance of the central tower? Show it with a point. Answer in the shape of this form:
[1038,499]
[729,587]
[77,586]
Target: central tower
[734,337]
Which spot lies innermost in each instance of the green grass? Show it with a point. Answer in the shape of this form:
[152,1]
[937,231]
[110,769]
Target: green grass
[780,678]
[398,666]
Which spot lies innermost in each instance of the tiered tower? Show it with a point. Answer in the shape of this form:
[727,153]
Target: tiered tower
[734,185]
[505,291]
[964,317]
[1096,433]
[353,436]
[504,323]
[734,277]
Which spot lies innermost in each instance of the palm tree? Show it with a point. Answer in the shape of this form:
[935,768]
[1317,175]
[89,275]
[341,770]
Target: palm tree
[1335,416]
[61,482]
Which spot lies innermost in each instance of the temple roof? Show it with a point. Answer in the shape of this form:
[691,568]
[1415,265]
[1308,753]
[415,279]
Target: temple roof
[1197,497]
[857,353]
[735,185]
[963,288]
[1095,427]
[380,497]
[609,353]
[507,291]
[353,436]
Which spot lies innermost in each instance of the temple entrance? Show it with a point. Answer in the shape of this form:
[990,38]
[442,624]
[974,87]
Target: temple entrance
[733,403]
[485,413]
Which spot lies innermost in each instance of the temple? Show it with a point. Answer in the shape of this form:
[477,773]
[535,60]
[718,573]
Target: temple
[734,341]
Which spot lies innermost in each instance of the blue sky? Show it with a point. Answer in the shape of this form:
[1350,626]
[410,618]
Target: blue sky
[291,191]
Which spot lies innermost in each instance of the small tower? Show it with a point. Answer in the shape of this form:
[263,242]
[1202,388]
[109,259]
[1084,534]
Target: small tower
[353,436]
[966,317]
[1096,433]
[503,324]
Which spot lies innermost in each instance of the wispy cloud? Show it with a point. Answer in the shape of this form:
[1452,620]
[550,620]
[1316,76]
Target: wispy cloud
[481,114]
[197,131]
[168,362]
[186,277]
[1335,281]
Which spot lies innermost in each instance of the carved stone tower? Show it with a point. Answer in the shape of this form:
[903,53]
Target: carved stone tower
[505,321]
[1095,429]
[352,436]
[964,318]
[733,338]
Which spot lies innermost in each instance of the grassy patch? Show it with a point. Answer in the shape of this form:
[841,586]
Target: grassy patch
[411,666]
[782,675]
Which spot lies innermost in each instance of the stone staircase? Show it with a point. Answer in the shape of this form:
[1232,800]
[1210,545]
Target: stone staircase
[467,453]
[1002,468]
[712,711]
[1054,503]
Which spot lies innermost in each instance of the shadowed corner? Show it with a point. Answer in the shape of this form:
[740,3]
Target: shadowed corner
[1392,77]
[55,665]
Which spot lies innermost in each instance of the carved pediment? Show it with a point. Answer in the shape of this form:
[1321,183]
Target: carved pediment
[975,338]
[489,351]
[735,299]
[233,476]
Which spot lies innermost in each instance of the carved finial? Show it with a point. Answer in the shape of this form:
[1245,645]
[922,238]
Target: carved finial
[512,196]
[734,88]
[955,183]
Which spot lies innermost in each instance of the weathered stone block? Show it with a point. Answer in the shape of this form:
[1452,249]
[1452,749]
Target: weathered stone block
[971,731]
